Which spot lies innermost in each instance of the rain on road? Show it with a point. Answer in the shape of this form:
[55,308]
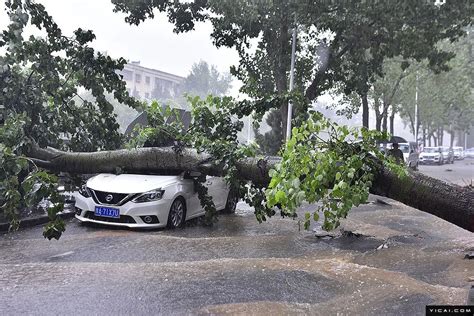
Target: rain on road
[388,259]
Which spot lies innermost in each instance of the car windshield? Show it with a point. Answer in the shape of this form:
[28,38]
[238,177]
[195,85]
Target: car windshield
[404,148]
[457,149]
[445,150]
[430,150]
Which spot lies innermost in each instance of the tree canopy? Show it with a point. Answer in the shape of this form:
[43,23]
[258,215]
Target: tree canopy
[342,43]
[204,80]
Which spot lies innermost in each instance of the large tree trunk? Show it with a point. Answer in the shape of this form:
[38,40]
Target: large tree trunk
[450,202]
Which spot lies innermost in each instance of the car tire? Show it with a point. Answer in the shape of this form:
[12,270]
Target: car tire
[177,213]
[231,203]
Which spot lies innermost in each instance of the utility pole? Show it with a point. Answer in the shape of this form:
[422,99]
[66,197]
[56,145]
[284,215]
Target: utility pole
[292,75]
[416,109]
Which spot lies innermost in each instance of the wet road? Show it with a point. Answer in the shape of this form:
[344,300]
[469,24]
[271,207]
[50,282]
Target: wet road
[241,267]
[461,172]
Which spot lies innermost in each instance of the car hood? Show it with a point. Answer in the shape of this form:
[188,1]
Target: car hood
[129,183]
[429,154]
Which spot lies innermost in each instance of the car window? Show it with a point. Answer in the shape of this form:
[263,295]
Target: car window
[404,148]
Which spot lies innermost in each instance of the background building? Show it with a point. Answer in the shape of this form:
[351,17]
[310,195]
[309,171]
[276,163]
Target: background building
[150,84]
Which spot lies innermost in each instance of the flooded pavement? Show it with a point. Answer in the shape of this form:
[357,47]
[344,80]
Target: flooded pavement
[386,260]
[461,172]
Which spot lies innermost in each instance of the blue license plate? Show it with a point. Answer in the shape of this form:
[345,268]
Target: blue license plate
[107,211]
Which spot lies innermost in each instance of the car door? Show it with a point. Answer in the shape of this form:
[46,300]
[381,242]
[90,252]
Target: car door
[188,191]
[221,191]
[217,190]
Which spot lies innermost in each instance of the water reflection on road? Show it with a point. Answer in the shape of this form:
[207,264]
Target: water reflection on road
[387,259]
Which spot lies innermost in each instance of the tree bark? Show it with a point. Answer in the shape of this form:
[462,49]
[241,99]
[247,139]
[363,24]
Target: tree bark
[392,121]
[450,202]
[378,115]
[424,137]
[365,111]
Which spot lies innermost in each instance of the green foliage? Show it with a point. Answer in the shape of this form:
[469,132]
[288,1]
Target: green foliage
[445,100]
[270,142]
[40,186]
[164,128]
[22,184]
[326,163]
[40,77]
[12,167]
[204,80]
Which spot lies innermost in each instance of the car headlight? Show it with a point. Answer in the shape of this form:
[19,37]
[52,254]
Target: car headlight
[84,191]
[153,195]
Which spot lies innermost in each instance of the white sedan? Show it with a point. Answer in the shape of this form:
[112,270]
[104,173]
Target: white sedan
[147,201]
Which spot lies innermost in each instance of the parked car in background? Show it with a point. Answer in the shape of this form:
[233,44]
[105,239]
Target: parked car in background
[148,201]
[431,155]
[448,154]
[458,153]
[410,153]
[469,153]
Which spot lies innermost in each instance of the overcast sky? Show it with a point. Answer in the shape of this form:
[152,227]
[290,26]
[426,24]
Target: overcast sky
[152,42]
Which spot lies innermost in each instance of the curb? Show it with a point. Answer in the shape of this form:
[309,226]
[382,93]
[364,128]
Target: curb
[37,220]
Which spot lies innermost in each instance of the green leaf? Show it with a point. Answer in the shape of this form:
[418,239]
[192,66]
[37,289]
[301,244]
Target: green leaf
[316,216]
[280,196]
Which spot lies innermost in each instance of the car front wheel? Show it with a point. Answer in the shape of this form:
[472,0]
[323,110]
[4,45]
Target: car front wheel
[177,213]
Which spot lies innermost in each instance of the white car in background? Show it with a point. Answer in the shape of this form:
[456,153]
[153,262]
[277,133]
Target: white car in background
[431,155]
[147,201]
[458,153]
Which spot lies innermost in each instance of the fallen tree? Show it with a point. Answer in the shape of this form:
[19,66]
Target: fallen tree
[41,79]
[450,202]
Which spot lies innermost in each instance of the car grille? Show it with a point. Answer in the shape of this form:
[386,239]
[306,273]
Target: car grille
[125,219]
[100,197]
